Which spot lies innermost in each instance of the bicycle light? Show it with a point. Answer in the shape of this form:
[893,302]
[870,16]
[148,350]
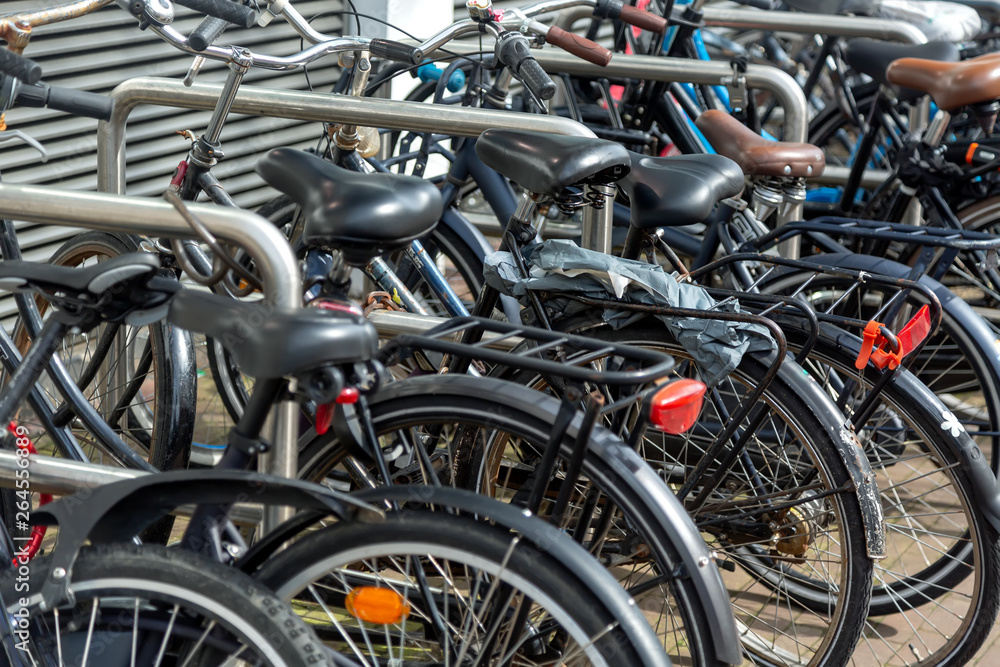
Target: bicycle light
[377,605]
[675,407]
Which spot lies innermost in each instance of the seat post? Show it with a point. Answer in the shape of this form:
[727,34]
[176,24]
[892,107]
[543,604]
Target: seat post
[938,126]
[597,222]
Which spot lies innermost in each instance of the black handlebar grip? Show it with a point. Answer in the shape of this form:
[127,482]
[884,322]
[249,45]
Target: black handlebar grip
[206,33]
[78,102]
[386,48]
[227,10]
[536,80]
[512,50]
[19,67]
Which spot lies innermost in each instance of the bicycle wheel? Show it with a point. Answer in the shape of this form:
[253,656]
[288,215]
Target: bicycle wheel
[958,363]
[149,605]
[487,597]
[140,379]
[441,412]
[786,520]
[939,586]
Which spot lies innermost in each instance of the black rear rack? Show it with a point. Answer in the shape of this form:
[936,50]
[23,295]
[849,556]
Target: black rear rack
[549,353]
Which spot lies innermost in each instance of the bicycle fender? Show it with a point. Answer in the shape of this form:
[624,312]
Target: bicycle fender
[850,451]
[119,511]
[697,560]
[546,538]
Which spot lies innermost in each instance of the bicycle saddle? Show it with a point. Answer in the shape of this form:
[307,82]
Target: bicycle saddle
[547,164]
[951,85]
[872,57]
[681,190]
[756,155]
[362,215]
[88,281]
[270,342]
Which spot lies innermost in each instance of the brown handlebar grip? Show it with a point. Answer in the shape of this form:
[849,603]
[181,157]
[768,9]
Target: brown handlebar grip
[580,47]
[642,19]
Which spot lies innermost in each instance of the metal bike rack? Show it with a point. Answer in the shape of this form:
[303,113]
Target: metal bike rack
[749,19]
[319,107]
[115,213]
[823,24]
[62,477]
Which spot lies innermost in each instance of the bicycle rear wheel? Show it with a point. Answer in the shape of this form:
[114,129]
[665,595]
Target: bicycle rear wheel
[476,593]
[939,586]
[149,605]
[786,521]
[441,413]
[141,379]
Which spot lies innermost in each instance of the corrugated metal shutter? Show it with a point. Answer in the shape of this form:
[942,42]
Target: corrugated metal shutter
[98,52]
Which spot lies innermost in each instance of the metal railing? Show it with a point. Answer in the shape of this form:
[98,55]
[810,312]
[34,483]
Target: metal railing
[115,213]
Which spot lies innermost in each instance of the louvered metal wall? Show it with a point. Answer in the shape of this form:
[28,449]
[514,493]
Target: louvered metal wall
[100,51]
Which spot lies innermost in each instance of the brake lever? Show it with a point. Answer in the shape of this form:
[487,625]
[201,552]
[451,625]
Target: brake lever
[8,92]
[8,135]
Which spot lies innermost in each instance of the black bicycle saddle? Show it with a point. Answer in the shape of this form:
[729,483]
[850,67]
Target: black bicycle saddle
[547,164]
[88,281]
[872,57]
[363,215]
[679,190]
[270,342]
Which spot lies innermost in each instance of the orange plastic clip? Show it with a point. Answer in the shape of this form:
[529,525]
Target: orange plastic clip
[910,336]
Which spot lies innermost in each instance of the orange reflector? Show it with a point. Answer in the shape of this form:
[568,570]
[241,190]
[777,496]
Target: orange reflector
[377,605]
[676,406]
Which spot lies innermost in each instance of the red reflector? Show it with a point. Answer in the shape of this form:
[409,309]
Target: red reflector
[348,395]
[324,417]
[675,407]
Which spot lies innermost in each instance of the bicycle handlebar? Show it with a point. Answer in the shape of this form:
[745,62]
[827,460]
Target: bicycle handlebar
[512,50]
[226,10]
[581,47]
[70,100]
[19,67]
[207,32]
[28,91]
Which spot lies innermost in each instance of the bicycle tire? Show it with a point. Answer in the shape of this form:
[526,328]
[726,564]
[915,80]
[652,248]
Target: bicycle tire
[200,592]
[955,578]
[162,425]
[455,545]
[963,347]
[506,408]
[786,398]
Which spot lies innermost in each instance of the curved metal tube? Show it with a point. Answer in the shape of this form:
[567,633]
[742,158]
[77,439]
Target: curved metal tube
[115,213]
[655,68]
[823,24]
[389,114]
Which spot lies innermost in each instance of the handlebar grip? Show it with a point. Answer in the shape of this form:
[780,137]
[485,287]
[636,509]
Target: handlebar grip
[512,50]
[19,67]
[227,10]
[536,80]
[581,47]
[207,32]
[642,19]
[386,48]
[70,100]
